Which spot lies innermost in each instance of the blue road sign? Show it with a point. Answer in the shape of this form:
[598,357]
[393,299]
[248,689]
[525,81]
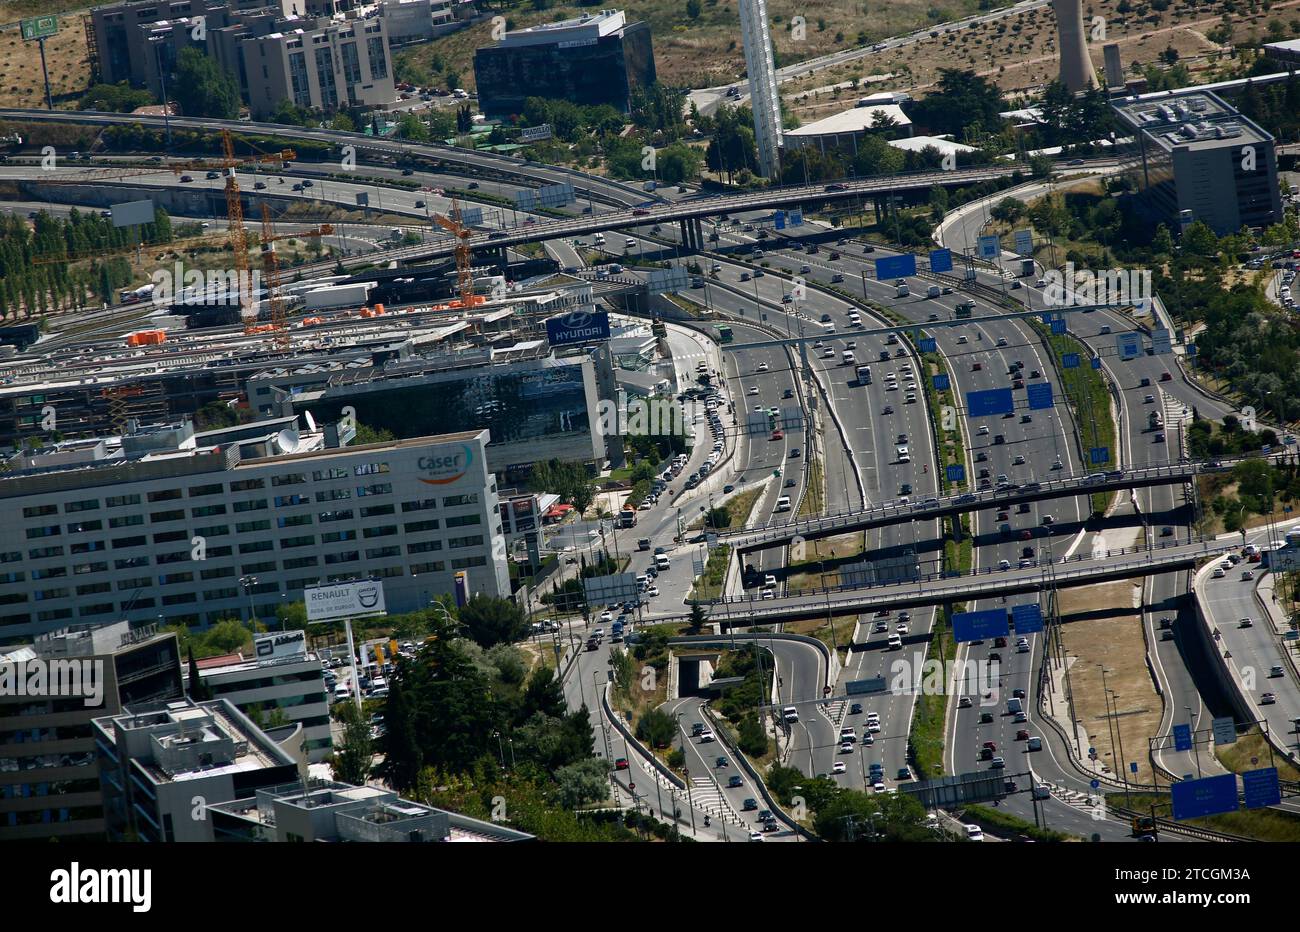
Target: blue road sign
[1182,737]
[1133,767]
[1095,784]
[1058,327]
[1096,362]
[1262,788]
[1206,796]
[1027,618]
[956,472]
[1098,455]
[928,345]
[1040,396]
[976,626]
[796,217]
[989,401]
[1128,345]
[896,266]
[1070,361]
[940,260]
[941,382]
[778,219]
[990,246]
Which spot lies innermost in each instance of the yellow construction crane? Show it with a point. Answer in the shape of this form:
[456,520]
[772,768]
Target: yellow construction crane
[464,273]
[271,277]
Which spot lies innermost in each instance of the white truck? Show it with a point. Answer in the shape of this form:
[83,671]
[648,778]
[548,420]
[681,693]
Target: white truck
[353,295]
[932,291]
[901,291]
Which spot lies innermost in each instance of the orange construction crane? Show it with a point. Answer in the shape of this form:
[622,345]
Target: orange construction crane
[464,274]
[271,276]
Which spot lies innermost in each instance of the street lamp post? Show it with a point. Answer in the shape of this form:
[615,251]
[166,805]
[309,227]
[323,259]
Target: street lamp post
[248,582]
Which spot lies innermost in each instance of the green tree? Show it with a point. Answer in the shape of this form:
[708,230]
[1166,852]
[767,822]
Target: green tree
[693,9]
[198,690]
[115,98]
[203,88]
[582,782]
[489,620]
[353,754]
[699,617]
[656,728]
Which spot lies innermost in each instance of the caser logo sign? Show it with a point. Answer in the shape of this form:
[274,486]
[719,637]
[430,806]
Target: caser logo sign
[444,468]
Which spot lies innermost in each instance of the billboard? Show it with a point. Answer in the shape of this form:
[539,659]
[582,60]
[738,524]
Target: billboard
[1027,618]
[1040,396]
[577,327]
[1128,345]
[1024,242]
[976,626]
[1160,341]
[1262,788]
[875,684]
[990,247]
[132,213]
[471,216]
[1207,796]
[555,195]
[606,590]
[893,267]
[535,133]
[940,260]
[671,279]
[988,402]
[282,645]
[354,599]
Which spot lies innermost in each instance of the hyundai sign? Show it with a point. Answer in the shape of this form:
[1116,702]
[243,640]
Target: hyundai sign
[578,327]
[345,600]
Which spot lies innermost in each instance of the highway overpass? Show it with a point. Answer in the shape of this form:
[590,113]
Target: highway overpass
[939,589]
[895,512]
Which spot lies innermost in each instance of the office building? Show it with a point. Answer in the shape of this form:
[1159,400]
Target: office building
[420,20]
[843,132]
[764,100]
[276,49]
[323,67]
[1193,157]
[156,759]
[1286,52]
[162,524]
[281,679]
[535,407]
[327,811]
[597,58]
[49,772]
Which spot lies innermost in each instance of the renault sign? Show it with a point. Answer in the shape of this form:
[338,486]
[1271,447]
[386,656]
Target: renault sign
[345,600]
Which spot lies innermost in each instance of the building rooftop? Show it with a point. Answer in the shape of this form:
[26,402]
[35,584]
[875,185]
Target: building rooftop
[1193,118]
[918,143]
[857,120]
[581,30]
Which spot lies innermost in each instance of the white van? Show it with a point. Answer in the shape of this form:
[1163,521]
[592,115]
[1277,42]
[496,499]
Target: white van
[341,692]
[783,503]
[661,561]
[904,456]
[790,714]
[974,833]
[895,642]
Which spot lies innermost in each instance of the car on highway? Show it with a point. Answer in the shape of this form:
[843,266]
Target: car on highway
[749,805]
[1218,573]
[997,763]
[838,766]
[1267,699]
[974,833]
[620,763]
[1247,575]
[964,702]
[734,781]
[986,718]
[721,762]
[755,836]
[705,736]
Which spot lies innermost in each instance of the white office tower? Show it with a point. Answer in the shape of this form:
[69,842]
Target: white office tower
[762,85]
[1076,68]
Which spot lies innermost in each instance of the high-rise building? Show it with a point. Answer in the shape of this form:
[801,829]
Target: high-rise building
[49,773]
[763,96]
[597,58]
[1193,157]
[162,524]
[1077,73]
[162,764]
